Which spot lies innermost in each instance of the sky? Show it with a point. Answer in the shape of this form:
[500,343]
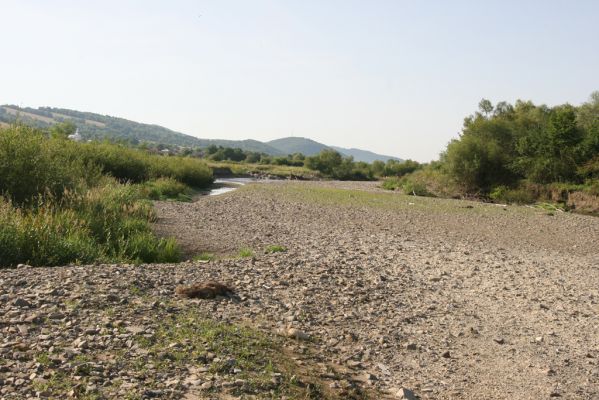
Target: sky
[394,77]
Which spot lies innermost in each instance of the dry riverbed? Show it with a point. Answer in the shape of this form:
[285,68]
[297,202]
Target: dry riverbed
[376,292]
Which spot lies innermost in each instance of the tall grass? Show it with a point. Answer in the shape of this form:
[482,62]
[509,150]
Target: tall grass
[31,164]
[59,202]
[106,223]
[132,165]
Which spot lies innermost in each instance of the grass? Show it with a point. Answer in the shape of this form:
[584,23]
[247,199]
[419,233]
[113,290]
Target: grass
[57,207]
[60,384]
[392,201]
[245,252]
[166,189]
[205,256]
[275,249]
[257,358]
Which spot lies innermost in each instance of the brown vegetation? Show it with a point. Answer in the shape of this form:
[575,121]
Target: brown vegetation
[205,290]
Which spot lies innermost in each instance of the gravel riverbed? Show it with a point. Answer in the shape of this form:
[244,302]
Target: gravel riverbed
[450,299]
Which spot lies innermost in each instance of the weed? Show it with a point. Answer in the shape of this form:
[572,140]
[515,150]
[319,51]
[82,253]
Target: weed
[275,249]
[245,252]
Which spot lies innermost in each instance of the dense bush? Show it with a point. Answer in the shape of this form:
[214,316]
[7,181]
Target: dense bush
[56,207]
[502,145]
[166,188]
[30,165]
[107,223]
[131,165]
[395,168]
[190,171]
[334,165]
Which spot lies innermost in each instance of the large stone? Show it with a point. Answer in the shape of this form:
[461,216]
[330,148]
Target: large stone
[406,394]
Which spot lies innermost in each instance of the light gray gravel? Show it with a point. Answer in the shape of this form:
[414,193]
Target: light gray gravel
[449,299]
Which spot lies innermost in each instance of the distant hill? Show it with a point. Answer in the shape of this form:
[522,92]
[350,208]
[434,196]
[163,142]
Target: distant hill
[97,127]
[364,155]
[290,145]
[309,147]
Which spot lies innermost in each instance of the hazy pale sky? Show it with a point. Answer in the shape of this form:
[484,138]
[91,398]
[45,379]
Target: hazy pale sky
[395,77]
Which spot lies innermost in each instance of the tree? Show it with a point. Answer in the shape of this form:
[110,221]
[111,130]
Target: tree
[486,107]
[63,130]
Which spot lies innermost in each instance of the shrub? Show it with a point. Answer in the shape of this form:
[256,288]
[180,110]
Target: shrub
[166,188]
[131,165]
[520,195]
[391,183]
[122,163]
[189,171]
[30,165]
[46,236]
[107,223]
[414,187]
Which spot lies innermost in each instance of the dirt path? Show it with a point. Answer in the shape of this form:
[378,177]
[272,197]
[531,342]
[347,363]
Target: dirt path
[451,299]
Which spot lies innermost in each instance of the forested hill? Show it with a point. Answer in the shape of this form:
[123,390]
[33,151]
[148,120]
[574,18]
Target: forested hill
[97,127]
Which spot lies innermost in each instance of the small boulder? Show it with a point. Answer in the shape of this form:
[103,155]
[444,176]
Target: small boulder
[406,394]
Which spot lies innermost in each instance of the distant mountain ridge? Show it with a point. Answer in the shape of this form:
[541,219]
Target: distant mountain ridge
[98,127]
[364,155]
[290,145]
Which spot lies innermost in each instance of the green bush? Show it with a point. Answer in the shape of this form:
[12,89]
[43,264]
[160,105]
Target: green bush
[122,163]
[136,166]
[190,171]
[166,188]
[520,195]
[107,223]
[414,187]
[31,164]
[391,183]
[46,236]
[332,164]
[57,208]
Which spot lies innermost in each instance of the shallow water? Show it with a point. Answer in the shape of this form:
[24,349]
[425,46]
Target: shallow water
[225,185]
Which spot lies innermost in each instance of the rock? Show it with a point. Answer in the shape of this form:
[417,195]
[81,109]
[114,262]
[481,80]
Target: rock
[446,354]
[406,394]
[411,346]
[151,394]
[499,340]
[22,303]
[297,334]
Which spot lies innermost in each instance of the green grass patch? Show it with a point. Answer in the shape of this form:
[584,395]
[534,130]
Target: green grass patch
[396,202]
[275,248]
[239,353]
[206,256]
[166,189]
[245,252]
